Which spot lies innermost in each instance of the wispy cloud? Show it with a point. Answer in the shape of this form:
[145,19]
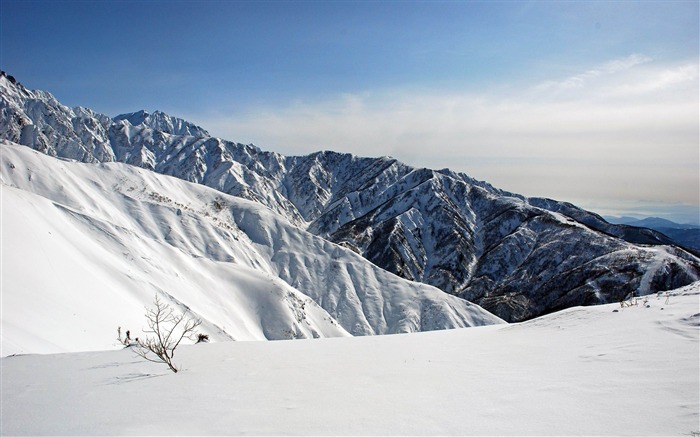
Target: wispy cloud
[608,68]
[625,129]
[665,79]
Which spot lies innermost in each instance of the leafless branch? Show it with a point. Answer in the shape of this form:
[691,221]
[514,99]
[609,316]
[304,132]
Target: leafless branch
[168,331]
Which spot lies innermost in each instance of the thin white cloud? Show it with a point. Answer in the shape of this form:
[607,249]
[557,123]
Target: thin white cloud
[608,68]
[627,130]
[664,79]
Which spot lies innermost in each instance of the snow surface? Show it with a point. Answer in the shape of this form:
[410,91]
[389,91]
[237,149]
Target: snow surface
[582,371]
[86,246]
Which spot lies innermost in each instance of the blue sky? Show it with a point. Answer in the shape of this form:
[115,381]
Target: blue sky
[590,102]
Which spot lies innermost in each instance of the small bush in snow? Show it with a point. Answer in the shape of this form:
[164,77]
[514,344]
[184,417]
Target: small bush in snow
[168,330]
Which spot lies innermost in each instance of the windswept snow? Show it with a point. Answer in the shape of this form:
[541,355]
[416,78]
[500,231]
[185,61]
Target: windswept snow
[86,246]
[603,370]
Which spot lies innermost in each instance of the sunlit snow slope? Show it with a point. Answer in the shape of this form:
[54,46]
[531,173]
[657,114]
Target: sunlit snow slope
[86,246]
[582,371]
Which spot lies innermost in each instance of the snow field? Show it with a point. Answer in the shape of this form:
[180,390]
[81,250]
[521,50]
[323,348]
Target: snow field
[582,371]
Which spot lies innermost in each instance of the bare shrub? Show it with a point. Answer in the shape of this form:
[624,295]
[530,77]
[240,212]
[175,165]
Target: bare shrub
[168,330]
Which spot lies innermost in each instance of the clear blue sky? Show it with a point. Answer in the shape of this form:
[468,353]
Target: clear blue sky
[474,86]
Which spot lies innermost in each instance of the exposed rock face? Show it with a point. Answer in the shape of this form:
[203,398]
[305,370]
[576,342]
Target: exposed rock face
[500,250]
[515,256]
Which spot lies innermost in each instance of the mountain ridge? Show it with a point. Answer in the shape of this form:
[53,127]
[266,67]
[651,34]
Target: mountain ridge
[650,222]
[518,257]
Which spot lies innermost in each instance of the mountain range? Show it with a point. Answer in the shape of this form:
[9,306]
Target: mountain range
[686,235]
[515,256]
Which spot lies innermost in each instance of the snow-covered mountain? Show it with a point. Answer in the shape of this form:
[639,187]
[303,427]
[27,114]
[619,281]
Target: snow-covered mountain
[86,246]
[517,257]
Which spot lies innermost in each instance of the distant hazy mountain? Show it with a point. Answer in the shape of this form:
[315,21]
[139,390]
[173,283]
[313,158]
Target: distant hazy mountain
[650,222]
[515,256]
[686,235]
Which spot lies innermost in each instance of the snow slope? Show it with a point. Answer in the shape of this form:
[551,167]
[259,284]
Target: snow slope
[86,246]
[602,370]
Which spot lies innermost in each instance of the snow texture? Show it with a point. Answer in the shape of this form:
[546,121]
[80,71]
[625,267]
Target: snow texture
[603,370]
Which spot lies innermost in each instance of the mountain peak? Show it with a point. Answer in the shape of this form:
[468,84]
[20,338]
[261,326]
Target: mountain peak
[134,118]
[161,121]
